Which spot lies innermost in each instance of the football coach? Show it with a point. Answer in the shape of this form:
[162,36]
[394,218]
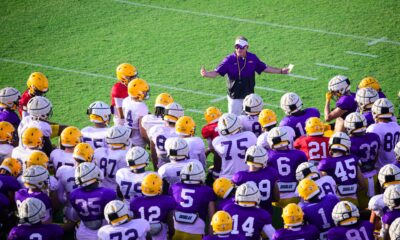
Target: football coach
[240,68]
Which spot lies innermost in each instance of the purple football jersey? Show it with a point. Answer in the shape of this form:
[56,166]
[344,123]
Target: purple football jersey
[224,237]
[4,201]
[370,119]
[363,230]
[9,116]
[390,216]
[298,122]
[265,179]
[89,205]
[248,221]
[36,231]
[23,194]
[192,198]
[348,103]
[381,94]
[344,171]
[305,232]
[222,203]
[8,184]
[145,207]
[365,148]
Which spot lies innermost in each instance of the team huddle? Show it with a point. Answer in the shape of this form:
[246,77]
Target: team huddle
[132,174]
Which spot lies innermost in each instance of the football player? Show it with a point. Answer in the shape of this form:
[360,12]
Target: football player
[134,109]
[129,179]
[285,161]
[185,127]
[222,225]
[8,140]
[38,85]
[248,219]
[314,144]
[371,82]
[155,207]
[232,144]
[32,139]
[32,212]
[387,130]
[397,153]
[112,158]
[294,227]
[339,90]
[125,73]
[89,200]
[365,97]
[252,106]
[121,225]
[9,98]
[193,202]
[317,208]
[99,114]
[343,168]
[225,191]
[391,198]
[348,224]
[69,138]
[264,176]
[296,117]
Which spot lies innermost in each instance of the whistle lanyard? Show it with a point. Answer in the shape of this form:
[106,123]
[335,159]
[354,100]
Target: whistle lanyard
[240,69]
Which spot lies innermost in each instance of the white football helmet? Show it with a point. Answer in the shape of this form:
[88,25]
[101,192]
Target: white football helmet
[36,177]
[307,170]
[291,103]
[394,229]
[252,104]
[256,155]
[228,124]
[117,212]
[87,173]
[340,141]
[40,107]
[365,97]
[173,112]
[278,137]
[382,108]
[391,197]
[345,213]
[397,151]
[31,211]
[193,173]
[339,84]
[9,97]
[247,195]
[118,136]
[177,148]
[388,175]
[137,157]
[355,122]
[99,112]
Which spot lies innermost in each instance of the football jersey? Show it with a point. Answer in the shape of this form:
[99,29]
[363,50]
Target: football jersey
[24,193]
[133,111]
[223,202]
[192,201]
[298,122]
[248,221]
[20,153]
[197,149]
[8,184]
[96,137]
[10,116]
[59,157]
[363,230]
[232,150]
[130,183]
[319,214]
[315,147]
[210,131]
[5,151]
[36,231]
[171,171]
[250,123]
[347,103]
[389,134]
[23,103]
[109,161]
[151,120]
[286,163]
[327,185]
[134,229]
[343,170]
[390,216]
[224,237]
[158,135]
[305,232]
[118,92]
[368,116]
[66,182]
[265,179]
[262,140]
[27,122]
[366,148]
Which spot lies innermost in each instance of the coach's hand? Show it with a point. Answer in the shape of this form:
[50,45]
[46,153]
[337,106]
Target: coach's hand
[203,71]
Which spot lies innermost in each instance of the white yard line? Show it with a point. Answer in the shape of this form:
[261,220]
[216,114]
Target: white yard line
[302,77]
[331,66]
[374,40]
[362,54]
[218,99]
[194,111]
[270,89]
[271,105]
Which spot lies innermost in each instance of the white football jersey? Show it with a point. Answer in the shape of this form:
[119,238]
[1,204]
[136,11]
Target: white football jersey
[109,161]
[232,150]
[389,134]
[130,183]
[250,123]
[197,149]
[59,157]
[21,154]
[29,122]
[5,151]
[263,142]
[327,185]
[96,137]
[171,171]
[133,111]
[66,182]
[134,229]
[151,120]
[158,135]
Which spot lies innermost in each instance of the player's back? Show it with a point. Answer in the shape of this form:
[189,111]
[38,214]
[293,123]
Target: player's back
[133,112]
[5,151]
[110,161]
[347,103]
[315,147]
[250,123]
[36,231]
[134,229]
[305,232]
[20,153]
[298,122]
[130,183]
[366,148]
[8,184]
[228,236]
[362,230]
[59,157]
[151,120]
[96,137]
[210,131]
[327,185]
[66,179]
[197,149]
[171,171]
[158,135]
[27,122]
